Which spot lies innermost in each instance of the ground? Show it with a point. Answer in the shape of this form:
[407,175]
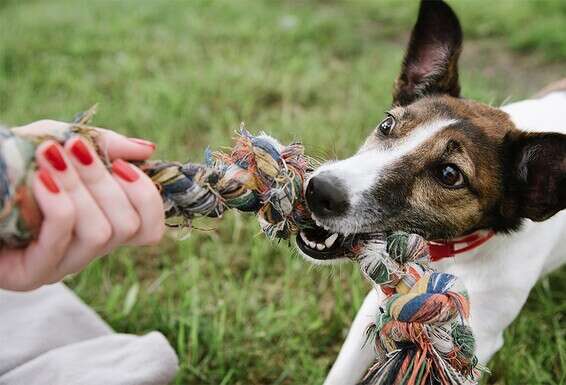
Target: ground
[237,308]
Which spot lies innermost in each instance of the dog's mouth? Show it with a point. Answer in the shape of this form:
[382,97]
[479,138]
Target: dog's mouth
[324,245]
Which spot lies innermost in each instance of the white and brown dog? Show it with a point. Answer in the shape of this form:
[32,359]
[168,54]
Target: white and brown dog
[490,180]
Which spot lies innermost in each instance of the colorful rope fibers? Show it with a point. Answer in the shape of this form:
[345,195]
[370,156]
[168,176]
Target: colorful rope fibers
[259,175]
[20,217]
[422,336]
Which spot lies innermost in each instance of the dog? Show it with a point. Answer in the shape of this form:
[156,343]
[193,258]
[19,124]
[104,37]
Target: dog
[484,185]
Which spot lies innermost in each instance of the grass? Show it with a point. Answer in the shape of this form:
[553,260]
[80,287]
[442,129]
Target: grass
[237,308]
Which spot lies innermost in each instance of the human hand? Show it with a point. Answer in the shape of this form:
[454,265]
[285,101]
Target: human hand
[88,211]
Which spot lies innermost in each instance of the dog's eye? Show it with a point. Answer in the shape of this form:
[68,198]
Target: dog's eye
[449,175]
[387,125]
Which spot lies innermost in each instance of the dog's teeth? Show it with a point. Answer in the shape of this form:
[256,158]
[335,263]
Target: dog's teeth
[311,244]
[330,240]
[320,246]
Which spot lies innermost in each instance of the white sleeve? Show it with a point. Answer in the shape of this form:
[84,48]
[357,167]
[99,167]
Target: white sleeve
[49,336]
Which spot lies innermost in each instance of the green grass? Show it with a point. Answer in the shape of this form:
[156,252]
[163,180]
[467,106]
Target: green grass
[237,308]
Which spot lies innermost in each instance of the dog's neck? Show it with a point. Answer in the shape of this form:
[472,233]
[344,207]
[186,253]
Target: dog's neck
[449,248]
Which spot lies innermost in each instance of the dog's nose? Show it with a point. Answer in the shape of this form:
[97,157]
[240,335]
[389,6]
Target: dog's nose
[326,196]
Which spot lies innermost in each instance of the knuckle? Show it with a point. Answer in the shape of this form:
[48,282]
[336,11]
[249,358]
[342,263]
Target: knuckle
[64,215]
[94,176]
[128,228]
[100,235]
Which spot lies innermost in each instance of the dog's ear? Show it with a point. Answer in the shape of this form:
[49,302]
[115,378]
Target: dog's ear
[431,62]
[536,174]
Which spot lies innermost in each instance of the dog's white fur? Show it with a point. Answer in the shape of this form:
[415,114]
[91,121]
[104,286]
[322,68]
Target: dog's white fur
[498,275]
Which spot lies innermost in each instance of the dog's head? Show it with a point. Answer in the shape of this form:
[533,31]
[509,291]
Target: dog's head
[437,165]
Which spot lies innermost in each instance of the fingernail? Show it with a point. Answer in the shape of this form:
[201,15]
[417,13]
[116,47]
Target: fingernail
[143,142]
[47,181]
[81,152]
[124,170]
[54,157]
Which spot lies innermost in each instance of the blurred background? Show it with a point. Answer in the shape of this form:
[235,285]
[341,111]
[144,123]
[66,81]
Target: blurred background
[237,308]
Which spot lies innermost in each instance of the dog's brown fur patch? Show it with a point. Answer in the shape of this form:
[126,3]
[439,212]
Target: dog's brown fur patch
[473,144]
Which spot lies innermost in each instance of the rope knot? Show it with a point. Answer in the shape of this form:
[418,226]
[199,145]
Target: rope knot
[421,332]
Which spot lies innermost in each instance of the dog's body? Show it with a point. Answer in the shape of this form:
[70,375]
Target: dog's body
[445,167]
[498,275]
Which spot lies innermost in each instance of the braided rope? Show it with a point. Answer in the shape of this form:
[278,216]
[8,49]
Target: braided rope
[421,336]
[259,175]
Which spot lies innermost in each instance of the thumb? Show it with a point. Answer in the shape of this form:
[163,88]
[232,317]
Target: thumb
[115,146]
[111,144]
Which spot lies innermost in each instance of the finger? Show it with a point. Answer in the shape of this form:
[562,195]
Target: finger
[27,269]
[114,146]
[105,190]
[145,198]
[92,230]
[43,127]
[111,144]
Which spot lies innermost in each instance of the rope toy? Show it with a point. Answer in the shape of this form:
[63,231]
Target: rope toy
[421,336]
[259,175]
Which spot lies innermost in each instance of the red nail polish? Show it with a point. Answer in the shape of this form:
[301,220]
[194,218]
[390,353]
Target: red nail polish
[54,157]
[143,142]
[81,152]
[47,181]
[124,170]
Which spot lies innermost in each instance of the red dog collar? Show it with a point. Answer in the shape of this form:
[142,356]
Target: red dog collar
[443,249]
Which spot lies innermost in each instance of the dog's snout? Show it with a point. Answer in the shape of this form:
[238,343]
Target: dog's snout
[326,196]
